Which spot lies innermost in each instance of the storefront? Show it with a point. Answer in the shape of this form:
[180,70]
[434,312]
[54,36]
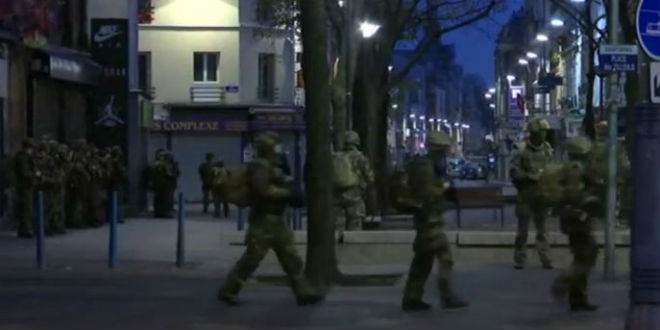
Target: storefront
[59,90]
[226,131]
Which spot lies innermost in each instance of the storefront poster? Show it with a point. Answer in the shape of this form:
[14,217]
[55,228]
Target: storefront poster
[109,47]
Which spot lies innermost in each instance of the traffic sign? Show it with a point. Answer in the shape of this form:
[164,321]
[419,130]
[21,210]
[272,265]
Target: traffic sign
[655,82]
[618,58]
[648,27]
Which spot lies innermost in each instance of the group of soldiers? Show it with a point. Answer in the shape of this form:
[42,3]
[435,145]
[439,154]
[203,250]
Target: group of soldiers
[163,176]
[574,191]
[74,179]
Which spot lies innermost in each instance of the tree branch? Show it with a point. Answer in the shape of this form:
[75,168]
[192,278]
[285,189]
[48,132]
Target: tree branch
[423,46]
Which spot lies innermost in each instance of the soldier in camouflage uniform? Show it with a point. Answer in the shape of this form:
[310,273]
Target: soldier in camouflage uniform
[164,175]
[431,190]
[526,167]
[270,191]
[93,205]
[578,210]
[206,176]
[350,210]
[77,181]
[52,184]
[25,173]
[220,176]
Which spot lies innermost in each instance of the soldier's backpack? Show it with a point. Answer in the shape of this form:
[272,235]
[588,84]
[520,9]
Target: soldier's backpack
[345,176]
[236,187]
[550,189]
[220,175]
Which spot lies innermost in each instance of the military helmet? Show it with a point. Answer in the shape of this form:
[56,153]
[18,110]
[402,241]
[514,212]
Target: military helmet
[266,141]
[578,146]
[537,125]
[438,139]
[601,128]
[351,138]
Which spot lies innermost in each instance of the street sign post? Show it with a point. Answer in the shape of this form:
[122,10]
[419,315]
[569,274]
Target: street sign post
[618,58]
[654,80]
[648,27]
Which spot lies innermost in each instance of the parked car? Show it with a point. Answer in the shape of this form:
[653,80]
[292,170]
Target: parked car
[471,171]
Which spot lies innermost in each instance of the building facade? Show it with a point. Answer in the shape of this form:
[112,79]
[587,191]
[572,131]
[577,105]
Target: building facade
[217,72]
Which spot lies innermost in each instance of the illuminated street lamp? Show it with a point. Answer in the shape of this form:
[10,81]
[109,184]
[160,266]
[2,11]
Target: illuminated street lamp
[488,96]
[510,78]
[492,106]
[556,22]
[532,55]
[523,61]
[369,29]
[542,37]
[491,90]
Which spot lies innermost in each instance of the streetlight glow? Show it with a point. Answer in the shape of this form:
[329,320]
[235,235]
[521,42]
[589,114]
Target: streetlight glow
[488,95]
[542,37]
[492,106]
[556,22]
[510,78]
[491,90]
[532,55]
[422,117]
[340,3]
[523,61]
[394,106]
[369,29]
[412,116]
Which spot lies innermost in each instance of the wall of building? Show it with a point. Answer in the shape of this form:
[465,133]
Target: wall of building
[172,60]
[107,9]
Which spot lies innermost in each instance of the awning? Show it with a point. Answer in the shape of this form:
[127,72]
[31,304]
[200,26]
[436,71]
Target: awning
[67,65]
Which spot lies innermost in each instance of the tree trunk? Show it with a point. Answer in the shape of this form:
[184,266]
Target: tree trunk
[321,267]
[339,104]
[589,118]
[370,121]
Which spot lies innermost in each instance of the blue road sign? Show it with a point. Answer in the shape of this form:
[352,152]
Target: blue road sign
[648,27]
[617,58]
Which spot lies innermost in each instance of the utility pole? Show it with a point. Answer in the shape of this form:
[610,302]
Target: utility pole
[349,58]
[610,215]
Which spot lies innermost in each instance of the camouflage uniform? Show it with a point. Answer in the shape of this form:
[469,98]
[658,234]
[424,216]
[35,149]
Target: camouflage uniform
[206,176]
[93,205]
[526,166]
[270,191]
[25,173]
[52,185]
[77,180]
[220,173]
[431,191]
[350,211]
[164,175]
[578,209]
[598,169]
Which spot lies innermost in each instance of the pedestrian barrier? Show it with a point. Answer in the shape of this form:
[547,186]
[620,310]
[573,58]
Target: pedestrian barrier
[114,218]
[41,263]
[180,241]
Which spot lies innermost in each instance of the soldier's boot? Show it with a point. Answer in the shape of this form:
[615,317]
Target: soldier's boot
[414,305]
[449,299]
[229,292]
[560,287]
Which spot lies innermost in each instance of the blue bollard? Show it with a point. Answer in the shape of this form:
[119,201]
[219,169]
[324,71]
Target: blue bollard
[112,253]
[41,262]
[241,224]
[180,241]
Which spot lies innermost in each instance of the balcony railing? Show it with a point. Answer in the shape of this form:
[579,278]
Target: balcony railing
[203,93]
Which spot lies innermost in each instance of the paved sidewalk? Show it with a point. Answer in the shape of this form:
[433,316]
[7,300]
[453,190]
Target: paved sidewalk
[146,291]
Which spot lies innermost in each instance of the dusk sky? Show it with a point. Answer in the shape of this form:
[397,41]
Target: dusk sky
[475,46]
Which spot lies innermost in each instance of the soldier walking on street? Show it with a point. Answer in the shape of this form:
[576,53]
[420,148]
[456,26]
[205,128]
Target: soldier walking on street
[269,192]
[206,176]
[578,210]
[430,190]
[527,165]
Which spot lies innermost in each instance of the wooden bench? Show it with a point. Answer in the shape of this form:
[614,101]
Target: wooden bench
[480,198]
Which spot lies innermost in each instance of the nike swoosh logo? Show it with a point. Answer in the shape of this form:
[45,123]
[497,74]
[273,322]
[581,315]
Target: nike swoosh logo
[103,37]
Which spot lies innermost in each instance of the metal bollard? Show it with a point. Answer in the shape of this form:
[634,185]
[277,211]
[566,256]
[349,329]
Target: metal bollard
[180,241]
[114,217]
[241,224]
[41,262]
